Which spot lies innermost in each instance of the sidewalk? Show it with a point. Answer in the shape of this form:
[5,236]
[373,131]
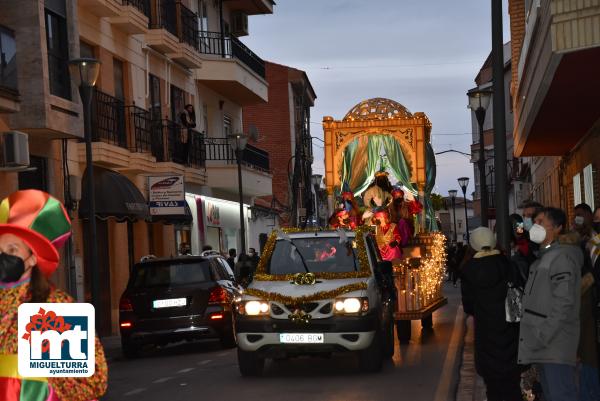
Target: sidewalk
[470,385]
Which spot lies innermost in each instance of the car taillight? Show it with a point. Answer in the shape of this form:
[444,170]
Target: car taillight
[218,296]
[125,305]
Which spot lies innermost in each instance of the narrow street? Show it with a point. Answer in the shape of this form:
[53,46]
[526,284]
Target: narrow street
[424,370]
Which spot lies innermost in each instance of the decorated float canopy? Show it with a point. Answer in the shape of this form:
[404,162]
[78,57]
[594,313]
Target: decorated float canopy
[377,130]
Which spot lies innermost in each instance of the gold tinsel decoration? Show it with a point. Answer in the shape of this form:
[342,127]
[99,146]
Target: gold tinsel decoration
[363,259]
[318,296]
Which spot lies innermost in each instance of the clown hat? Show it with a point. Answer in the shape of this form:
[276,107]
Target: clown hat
[41,221]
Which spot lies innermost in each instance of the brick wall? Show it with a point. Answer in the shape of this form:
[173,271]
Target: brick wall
[273,122]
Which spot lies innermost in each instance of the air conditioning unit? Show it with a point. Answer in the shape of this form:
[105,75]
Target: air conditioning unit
[239,24]
[14,150]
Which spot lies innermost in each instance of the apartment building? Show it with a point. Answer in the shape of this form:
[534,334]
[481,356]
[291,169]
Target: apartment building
[556,92]
[283,126]
[446,218]
[156,57]
[518,186]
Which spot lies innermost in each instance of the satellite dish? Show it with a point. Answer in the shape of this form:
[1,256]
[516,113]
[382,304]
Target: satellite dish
[253,132]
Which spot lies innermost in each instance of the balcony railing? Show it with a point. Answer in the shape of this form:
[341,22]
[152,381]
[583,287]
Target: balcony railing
[142,5]
[108,119]
[187,26]
[164,15]
[219,149]
[230,47]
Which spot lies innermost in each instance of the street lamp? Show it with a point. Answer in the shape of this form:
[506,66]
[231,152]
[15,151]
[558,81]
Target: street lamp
[464,183]
[452,194]
[479,100]
[238,144]
[316,181]
[84,73]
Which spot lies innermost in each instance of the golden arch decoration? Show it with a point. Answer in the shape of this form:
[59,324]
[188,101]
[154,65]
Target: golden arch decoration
[377,116]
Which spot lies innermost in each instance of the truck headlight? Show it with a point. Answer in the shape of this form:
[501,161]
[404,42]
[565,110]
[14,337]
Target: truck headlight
[253,308]
[351,305]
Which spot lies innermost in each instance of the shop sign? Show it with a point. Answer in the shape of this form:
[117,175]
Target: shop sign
[167,195]
[213,216]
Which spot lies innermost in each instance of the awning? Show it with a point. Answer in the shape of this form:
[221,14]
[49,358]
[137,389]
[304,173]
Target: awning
[115,196]
[181,219]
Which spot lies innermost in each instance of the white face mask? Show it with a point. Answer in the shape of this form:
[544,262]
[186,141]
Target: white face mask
[537,234]
[527,223]
[579,220]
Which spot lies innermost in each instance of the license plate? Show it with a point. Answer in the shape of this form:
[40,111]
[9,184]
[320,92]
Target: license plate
[301,338]
[169,303]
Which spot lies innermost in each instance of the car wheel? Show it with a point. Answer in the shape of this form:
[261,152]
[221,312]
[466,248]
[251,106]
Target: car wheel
[250,363]
[129,349]
[228,338]
[403,328]
[370,359]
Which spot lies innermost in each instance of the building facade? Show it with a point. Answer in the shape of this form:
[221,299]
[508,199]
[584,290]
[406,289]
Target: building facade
[556,92]
[518,186]
[283,125]
[156,57]
[446,218]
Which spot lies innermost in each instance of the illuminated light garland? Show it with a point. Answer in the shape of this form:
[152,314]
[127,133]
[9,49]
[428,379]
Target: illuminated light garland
[363,258]
[318,296]
[420,284]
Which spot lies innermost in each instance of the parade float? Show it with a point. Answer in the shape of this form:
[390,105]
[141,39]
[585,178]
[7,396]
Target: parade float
[379,171]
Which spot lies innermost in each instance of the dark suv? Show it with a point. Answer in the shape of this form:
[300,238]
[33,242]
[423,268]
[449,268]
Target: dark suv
[183,298]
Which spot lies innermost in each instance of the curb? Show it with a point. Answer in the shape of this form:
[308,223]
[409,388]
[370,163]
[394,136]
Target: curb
[470,385]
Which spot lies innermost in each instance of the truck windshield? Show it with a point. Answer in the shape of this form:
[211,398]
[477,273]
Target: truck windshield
[322,255]
[170,274]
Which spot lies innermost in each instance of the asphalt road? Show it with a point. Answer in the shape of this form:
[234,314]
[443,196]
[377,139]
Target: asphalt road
[424,370]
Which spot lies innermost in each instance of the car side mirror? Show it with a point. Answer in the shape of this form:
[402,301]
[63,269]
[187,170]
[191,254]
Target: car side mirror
[385,267]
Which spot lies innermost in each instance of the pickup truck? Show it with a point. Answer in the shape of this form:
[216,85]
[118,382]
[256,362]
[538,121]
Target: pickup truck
[319,292]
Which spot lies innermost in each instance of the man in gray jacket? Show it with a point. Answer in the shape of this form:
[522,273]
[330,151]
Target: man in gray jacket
[550,325]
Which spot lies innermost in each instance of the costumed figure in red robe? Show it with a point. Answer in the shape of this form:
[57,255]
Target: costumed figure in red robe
[388,236]
[350,204]
[400,214]
[342,219]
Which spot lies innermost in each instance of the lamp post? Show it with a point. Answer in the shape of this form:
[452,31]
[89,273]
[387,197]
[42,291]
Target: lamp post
[452,194]
[238,144]
[316,181]
[84,73]
[479,100]
[464,183]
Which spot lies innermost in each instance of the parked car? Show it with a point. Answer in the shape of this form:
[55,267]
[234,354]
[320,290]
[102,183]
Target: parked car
[174,299]
[285,312]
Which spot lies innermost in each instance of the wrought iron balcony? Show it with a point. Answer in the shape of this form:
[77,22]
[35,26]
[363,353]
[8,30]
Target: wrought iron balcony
[228,46]
[108,119]
[164,16]
[142,5]
[218,149]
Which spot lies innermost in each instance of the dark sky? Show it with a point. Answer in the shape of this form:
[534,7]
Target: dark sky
[423,54]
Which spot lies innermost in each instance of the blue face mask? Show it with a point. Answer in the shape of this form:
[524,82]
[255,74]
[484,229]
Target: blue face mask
[527,223]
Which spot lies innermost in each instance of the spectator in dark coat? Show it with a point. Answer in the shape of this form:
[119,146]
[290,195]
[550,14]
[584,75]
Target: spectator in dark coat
[231,258]
[484,288]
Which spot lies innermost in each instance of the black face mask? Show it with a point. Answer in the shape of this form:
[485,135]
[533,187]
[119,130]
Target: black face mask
[11,268]
[596,226]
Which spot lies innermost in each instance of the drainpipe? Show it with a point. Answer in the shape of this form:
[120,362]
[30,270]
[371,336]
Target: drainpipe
[222,30]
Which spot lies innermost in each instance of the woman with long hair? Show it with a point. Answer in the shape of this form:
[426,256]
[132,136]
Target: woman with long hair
[33,225]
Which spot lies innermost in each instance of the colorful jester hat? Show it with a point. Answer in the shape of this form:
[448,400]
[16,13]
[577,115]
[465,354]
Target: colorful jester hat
[41,221]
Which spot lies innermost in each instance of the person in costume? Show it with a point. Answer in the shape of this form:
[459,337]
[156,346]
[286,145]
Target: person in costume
[33,225]
[388,236]
[342,219]
[400,214]
[350,204]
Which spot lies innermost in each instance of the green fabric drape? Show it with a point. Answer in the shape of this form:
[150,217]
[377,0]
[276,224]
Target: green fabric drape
[396,160]
[430,172]
[359,163]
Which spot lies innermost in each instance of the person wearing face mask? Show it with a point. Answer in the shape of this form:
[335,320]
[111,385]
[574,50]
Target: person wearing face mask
[254,258]
[549,331]
[594,243]
[33,225]
[530,211]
